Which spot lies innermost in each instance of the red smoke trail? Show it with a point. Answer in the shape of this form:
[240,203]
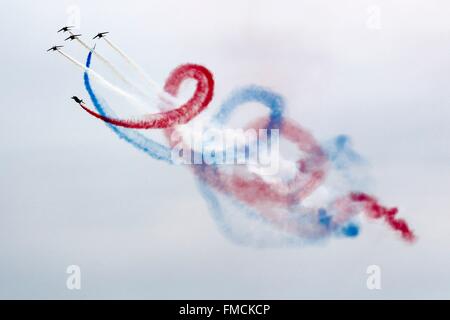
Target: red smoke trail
[253,190]
[199,101]
[375,210]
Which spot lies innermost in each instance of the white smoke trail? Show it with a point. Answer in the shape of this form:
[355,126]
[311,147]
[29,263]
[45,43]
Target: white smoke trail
[104,60]
[167,98]
[106,83]
[155,86]
[163,98]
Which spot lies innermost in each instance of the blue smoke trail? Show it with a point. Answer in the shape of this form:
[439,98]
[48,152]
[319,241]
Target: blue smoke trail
[337,150]
[252,94]
[159,152]
[340,153]
[139,141]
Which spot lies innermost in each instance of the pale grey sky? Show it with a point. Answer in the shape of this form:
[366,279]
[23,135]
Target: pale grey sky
[72,193]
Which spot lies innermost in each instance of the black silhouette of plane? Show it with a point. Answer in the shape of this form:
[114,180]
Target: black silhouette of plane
[54,48]
[65,29]
[100,35]
[77,100]
[72,37]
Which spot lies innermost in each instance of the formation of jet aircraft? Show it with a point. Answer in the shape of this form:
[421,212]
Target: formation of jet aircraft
[71,38]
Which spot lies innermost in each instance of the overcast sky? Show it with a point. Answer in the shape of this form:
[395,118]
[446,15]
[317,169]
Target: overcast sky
[72,193]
